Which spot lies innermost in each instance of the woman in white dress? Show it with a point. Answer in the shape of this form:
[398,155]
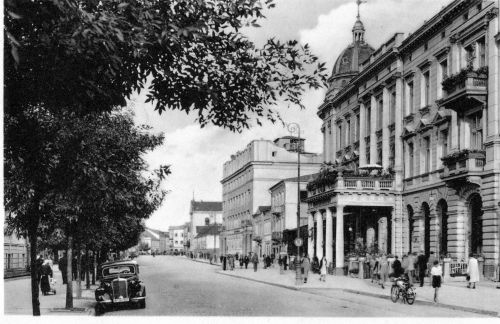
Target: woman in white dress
[472,271]
[323,268]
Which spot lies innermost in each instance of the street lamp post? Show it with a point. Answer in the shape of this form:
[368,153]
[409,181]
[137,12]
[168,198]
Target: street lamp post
[295,128]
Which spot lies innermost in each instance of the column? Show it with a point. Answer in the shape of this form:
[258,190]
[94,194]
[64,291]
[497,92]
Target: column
[493,58]
[455,57]
[339,242]
[319,235]
[310,226]
[385,129]
[373,127]
[464,133]
[329,235]
[398,129]
[324,130]
[333,140]
[362,134]
[454,131]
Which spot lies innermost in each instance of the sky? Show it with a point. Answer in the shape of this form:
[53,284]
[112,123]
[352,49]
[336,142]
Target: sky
[196,155]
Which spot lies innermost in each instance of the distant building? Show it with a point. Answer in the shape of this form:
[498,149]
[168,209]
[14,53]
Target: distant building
[202,213]
[177,238]
[284,212]
[16,254]
[247,177]
[206,241]
[262,242]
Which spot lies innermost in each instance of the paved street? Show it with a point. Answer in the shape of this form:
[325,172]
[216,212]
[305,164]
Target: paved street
[178,286]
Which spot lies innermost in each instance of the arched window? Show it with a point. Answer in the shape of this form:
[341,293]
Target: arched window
[442,211]
[427,228]
[475,233]
[411,222]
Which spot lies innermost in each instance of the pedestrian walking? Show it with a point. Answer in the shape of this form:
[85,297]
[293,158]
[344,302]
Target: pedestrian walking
[383,270]
[323,268]
[436,275]
[305,266]
[268,261]
[74,268]
[374,262]
[255,261]
[46,275]
[397,268]
[411,266]
[285,262]
[315,264]
[472,271]
[422,266]
[247,261]
[63,267]
[241,262]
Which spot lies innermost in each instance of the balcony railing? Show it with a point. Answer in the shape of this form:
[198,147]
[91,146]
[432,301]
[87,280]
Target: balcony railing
[461,88]
[464,162]
[355,183]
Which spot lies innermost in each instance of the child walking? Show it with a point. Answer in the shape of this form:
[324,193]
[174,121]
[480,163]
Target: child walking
[436,273]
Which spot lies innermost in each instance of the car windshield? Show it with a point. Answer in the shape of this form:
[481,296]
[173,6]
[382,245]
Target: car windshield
[122,269]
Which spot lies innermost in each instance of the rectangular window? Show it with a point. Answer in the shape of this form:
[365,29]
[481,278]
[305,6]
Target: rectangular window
[348,132]
[339,138]
[379,156]
[392,107]
[380,112]
[444,143]
[368,121]
[409,97]
[441,76]
[392,154]
[481,51]
[476,128]
[410,159]
[444,69]
[427,153]
[426,89]
[356,130]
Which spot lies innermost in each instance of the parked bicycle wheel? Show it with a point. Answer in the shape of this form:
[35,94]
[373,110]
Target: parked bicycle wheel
[394,293]
[410,296]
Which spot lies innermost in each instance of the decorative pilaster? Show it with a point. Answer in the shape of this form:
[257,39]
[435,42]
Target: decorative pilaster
[339,242]
[329,235]
[385,129]
[362,134]
[319,235]
[310,227]
[373,128]
[398,129]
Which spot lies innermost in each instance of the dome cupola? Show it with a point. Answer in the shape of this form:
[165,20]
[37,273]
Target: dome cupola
[347,64]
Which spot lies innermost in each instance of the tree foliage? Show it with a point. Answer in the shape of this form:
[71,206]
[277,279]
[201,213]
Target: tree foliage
[91,55]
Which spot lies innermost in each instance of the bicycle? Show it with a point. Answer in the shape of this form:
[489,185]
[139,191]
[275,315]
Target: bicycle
[402,287]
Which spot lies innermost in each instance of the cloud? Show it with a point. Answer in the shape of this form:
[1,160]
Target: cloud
[381,18]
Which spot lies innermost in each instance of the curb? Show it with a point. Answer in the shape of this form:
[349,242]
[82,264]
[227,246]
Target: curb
[358,292]
[208,263]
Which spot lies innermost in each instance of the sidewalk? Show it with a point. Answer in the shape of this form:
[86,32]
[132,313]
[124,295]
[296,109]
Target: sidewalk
[485,299]
[17,300]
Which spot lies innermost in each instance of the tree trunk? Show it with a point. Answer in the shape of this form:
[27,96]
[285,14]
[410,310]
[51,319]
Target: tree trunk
[35,290]
[87,269]
[94,269]
[69,269]
[78,274]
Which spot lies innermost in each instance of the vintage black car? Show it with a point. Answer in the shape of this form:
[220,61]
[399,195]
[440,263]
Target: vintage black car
[120,285]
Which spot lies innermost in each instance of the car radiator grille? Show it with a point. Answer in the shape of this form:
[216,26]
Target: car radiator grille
[119,288]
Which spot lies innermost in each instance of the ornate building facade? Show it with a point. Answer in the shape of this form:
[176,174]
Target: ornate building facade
[412,142]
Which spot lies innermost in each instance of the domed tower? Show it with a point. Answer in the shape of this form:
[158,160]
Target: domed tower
[347,64]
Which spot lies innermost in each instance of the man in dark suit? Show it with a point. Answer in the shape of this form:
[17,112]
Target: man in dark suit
[422,266]
[63,267]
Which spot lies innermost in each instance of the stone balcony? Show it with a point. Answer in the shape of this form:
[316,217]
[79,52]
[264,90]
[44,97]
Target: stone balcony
[465,90]
[352,183]
[464,165]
